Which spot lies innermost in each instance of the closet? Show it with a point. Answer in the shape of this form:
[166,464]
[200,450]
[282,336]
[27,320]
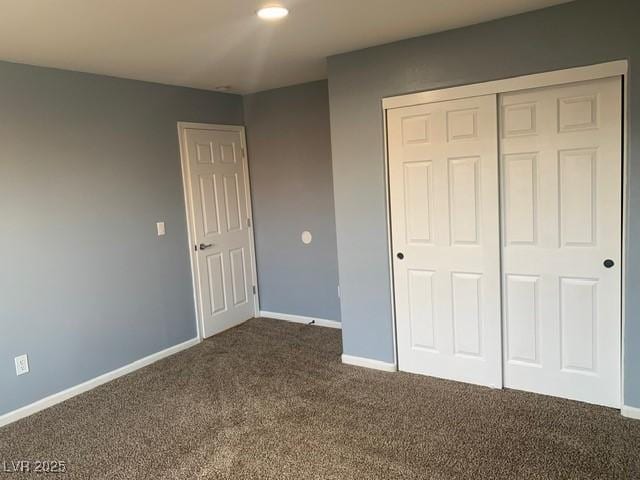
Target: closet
[506,233]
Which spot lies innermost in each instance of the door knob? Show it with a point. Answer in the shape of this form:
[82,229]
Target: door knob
[400,255]
[204,246]
[608,263]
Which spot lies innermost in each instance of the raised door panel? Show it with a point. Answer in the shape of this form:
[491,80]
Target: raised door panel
[467,313]
[578,197]
[228,153]
[416,129]
[421,309]
[232,202]
[578,323]
[520,202]
[519,119]
[238,276]
[578,113]
[204,153]
[522,319]
[418,201]
[209,204]
[462,124]
[464,200]
[216,282]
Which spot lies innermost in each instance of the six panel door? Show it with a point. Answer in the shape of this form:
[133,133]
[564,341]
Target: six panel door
[443,177]
[221,228]
[561,220]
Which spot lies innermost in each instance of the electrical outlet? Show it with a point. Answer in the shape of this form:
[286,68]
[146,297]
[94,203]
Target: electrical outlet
[22,364]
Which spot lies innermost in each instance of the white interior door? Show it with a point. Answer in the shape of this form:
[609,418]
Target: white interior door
[561,193]
[443,177]
[218,190]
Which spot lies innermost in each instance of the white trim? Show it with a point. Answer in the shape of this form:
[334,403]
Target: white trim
[186,184]
[630,412]
[59,397]
[320,322]
[625,219]
[369,363]
[387,206]
[190,237]
[537,80]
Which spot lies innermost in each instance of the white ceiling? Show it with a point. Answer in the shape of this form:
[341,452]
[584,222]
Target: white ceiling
[209,43]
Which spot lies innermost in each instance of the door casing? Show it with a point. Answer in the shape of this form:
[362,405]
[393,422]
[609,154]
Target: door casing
[537,80]
[186,184]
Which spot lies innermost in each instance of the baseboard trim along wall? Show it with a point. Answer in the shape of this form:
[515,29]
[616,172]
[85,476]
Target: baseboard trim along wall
[369,363]
[630,412]
[320,322]
[60,397]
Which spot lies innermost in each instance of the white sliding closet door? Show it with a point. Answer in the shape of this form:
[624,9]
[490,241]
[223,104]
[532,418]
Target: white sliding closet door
[561,193]
[443,177]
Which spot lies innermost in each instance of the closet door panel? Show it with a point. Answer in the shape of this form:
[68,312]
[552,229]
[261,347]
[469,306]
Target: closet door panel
[443,172]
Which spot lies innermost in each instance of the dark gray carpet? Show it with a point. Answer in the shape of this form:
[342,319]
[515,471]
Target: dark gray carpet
[271,400]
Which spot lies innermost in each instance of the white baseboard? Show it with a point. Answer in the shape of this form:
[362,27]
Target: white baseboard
[59,397]
[369,363]
[630,412]
[321,322]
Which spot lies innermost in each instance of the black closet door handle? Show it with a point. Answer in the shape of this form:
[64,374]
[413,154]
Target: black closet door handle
[608,263]
[400,255]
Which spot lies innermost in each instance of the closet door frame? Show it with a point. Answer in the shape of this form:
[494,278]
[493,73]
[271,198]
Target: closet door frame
[537,80]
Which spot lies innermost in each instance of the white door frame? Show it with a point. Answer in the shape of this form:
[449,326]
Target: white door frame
[186,184]
[537,80]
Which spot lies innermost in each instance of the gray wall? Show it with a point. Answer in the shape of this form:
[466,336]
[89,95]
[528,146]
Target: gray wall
[88,164]
[578,33]
[291,183]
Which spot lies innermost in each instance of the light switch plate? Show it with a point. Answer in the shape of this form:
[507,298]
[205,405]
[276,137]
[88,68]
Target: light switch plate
[22,364]
[161,229]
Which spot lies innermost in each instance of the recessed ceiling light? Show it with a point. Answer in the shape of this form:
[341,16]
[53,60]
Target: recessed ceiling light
[273,12]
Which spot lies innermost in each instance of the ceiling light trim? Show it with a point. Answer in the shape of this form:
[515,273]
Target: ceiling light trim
[272,12]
